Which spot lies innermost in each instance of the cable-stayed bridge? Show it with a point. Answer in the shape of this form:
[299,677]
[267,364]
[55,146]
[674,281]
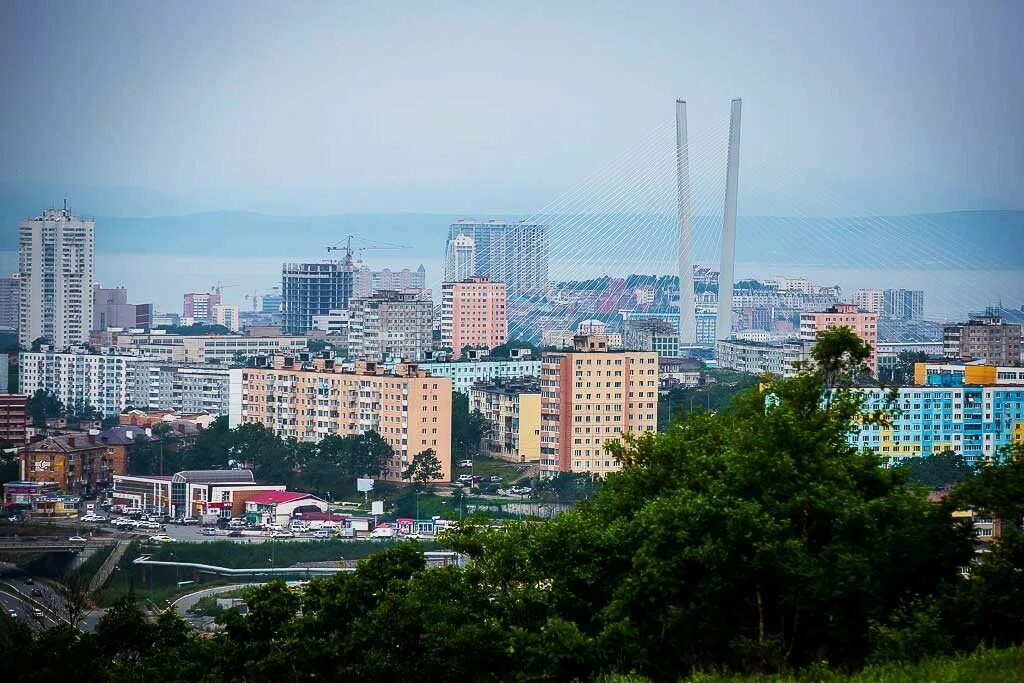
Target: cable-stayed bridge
[671,208]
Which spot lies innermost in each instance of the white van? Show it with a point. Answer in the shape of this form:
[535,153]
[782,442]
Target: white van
[298,526]
[323,534]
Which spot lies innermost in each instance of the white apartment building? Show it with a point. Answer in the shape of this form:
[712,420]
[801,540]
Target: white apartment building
[464,374]
[206,348]
[226,315]
[460,260]
[757,357]
[513,253]
[183,387]
[869,300]
[390,324]
[78,379]
[335,322]
[56,256]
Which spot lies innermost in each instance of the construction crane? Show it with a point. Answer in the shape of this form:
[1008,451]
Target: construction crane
[371,245]
[219,286]
[257,295]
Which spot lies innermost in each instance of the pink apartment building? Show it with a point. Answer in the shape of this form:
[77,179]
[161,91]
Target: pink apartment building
[473,313]
[863,324]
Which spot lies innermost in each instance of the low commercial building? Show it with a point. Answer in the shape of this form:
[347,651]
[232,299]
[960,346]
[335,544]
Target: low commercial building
[512,410]
[465,373]
[141,418]
[20,496]
[278,507]
[191,492]
[307,398]
[679,372]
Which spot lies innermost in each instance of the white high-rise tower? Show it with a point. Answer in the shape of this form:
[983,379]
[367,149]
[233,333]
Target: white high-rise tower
[727,267]
[56,254]
[687,311]
[461,259]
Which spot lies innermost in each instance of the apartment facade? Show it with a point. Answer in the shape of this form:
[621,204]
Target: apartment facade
[13,419]
[80,464]
[985,338]
[227,315]
[869,300]
[10,301]
[222,349]
[465,373]
[460,259]
[974,420]
[590,397]
[78,379]
[309,398]
[513,253]
[757,358]
[110,308]
[473,313]
[903,304]
[368,282]
[864,325]
[309,289]
[512,410]
[198,306]
[185,387]
[56,256]
[390,324]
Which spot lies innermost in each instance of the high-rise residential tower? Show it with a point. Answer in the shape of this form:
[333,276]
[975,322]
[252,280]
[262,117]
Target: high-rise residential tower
[869,300]
[903,304]
[473,313]
[390,324]
[56,254]
[513,253]
[460,262]
[199,306]
[309,289]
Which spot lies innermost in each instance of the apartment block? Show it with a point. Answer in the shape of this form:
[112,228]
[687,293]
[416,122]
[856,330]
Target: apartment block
[390,324]
[309,289]
[80,464]
[985,338]
[512,410]
[974,420]
[227,315]
[56,256]
[864,325]
[513,253]
[465,373]
[110,309]
[13,419]
[223,349]
[308,398]
[473,313]
[590,397]
[79,379]
[10,301]
[368,282]
[903,304]
[869,300]
[198,306]
[184,387]
[758,358]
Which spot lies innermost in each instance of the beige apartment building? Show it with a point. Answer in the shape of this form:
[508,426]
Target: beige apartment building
[512,410]
[864,325]
[308,398]
[591,396]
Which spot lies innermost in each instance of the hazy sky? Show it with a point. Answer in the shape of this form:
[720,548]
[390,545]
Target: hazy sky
[496,107]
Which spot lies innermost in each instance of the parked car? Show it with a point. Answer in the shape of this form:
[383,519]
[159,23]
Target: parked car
[281,534]
[465,463]
[322,534]
[78,539]
[161,538]
[466,478]
[494,479]
[13,614]
[188,521]
[208,531]
[235,533]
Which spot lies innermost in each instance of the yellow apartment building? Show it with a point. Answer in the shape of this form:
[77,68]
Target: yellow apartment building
[512,409]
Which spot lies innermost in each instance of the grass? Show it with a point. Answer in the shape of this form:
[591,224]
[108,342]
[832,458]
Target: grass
[982,666]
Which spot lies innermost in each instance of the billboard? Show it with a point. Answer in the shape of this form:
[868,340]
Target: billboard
[377,507]
[364,485]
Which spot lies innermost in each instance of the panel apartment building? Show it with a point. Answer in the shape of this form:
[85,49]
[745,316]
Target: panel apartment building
[390,324]
[56,256]
[513,253]
[985,338]
[473,313]
[592,396]
[512,410]
[308,398]
[863,324]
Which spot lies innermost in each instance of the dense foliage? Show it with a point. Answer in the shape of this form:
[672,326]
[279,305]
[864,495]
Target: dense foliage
[751,540]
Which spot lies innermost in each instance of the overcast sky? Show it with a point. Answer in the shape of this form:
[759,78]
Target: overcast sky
[496,107]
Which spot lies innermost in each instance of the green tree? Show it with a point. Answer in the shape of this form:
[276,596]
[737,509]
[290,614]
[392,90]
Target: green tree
[948,467]
[503,350]
[424,468]
[840,356]
[42,406]
[468,427]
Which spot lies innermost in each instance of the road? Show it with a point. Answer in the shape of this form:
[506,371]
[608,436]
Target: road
[13,589]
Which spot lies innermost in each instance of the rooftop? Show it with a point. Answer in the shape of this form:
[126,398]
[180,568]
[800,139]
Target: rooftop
[277,497]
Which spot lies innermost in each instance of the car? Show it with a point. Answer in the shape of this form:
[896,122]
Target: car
[458,485]
[188,521]
[465,463]
[281,534]
[13,614]
[494,479]
[161,538]
[208,531]
[78,539]
[149,525]
[37,613]
[36,593]
[235,533]
[29,581]
[466,478]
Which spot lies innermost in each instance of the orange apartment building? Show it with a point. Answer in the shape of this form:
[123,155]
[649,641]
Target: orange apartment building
[863,324]
[592,396]
[473,313]
[308,398]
